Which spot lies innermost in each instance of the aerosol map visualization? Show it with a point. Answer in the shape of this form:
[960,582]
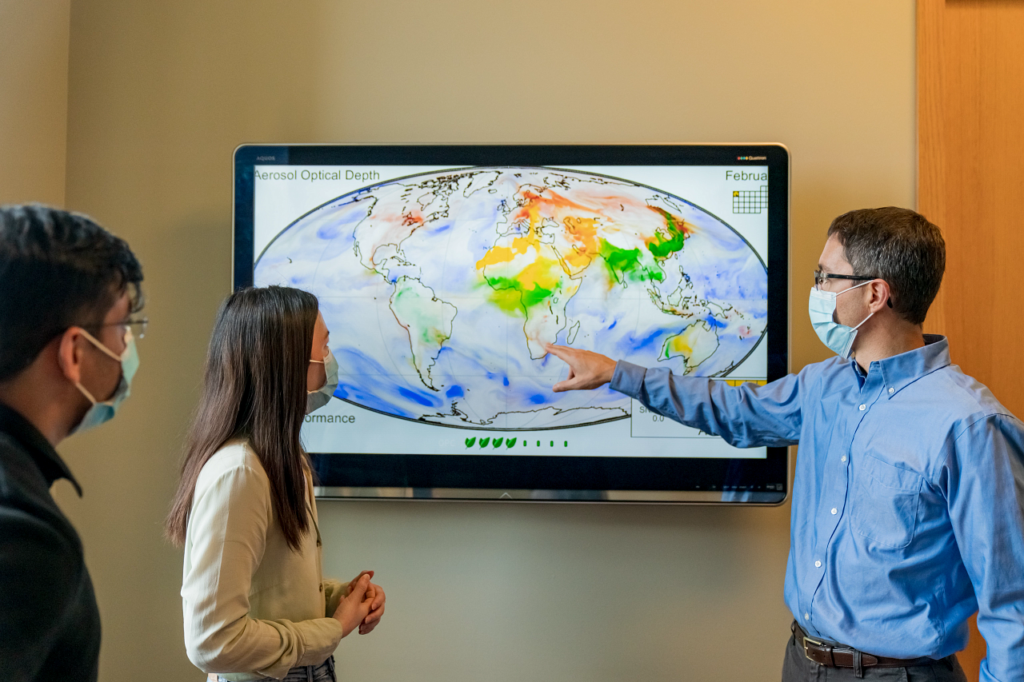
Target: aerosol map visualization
[442,290]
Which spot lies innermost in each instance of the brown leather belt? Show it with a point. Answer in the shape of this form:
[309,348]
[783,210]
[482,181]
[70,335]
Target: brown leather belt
[835,655]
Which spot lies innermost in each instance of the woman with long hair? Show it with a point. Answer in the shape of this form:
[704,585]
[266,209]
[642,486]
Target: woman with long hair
[255,602]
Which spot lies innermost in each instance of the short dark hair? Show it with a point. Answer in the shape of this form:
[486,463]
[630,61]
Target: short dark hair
[899,246]
[57,270]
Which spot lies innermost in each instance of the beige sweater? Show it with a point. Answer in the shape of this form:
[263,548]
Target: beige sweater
[252,605]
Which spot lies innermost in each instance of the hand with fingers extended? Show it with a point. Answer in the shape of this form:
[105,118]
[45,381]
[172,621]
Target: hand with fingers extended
[377,598]
[586,369]
[355,606]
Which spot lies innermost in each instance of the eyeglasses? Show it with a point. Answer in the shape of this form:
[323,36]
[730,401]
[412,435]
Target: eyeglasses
[137,325]
[821,277]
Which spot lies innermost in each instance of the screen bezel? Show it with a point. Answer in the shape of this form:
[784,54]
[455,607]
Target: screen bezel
[548,478]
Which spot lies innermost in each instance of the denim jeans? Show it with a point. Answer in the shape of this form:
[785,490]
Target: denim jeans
[309,673]
[797,668]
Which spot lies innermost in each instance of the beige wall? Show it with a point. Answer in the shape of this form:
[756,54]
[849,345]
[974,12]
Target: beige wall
[33,100]
[161,93]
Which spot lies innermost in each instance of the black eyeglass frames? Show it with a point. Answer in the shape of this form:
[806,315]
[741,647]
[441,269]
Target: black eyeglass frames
[821,277]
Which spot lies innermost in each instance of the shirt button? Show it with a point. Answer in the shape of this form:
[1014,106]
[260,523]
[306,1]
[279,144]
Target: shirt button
[891,391]
[807,616]
[863,407]
[834,510]
[817,564]
[843,458]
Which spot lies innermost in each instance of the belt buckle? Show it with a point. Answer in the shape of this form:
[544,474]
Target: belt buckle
[814,641]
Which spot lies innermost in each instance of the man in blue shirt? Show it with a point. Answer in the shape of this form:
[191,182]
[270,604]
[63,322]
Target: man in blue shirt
[908,496]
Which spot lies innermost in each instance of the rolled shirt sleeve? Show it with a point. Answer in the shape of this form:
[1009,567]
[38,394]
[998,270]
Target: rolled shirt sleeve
[230,518]
[986,506]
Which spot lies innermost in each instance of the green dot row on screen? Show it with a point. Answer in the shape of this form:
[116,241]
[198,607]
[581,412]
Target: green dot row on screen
[507,442]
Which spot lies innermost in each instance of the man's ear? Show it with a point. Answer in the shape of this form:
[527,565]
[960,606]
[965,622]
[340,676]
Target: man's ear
[69,354]
[880,295]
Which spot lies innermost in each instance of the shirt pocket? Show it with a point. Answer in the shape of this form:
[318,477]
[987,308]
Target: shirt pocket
[884,502]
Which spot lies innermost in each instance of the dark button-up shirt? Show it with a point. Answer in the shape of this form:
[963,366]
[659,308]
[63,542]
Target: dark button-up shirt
[49,622]
[908,499]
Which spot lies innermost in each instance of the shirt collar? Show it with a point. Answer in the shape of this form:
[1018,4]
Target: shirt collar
[899,371]
[46,458]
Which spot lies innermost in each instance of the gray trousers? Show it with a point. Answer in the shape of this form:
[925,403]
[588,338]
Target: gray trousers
[798,668]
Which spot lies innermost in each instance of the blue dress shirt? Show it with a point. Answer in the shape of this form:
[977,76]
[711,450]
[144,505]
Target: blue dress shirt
[908,497]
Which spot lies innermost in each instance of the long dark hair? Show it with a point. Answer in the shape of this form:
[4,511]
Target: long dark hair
[254,388]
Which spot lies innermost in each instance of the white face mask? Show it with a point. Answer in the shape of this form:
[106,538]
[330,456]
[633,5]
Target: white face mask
[320,397]
[822,309]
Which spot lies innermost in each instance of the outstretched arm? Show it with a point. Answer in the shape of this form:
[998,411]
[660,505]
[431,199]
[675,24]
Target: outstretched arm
[744,416]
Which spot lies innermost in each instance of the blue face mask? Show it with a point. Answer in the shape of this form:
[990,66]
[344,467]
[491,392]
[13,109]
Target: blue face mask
[101,412]
[320,397]
[838,337]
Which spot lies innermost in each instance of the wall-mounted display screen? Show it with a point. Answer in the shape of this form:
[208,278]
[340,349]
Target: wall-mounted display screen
[443,272]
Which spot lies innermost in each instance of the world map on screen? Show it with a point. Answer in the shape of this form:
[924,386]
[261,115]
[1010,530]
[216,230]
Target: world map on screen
[442,290]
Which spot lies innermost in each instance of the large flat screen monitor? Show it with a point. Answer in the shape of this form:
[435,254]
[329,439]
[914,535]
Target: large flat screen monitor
[443,271]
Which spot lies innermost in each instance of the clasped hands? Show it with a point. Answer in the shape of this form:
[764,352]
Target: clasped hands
[362,607]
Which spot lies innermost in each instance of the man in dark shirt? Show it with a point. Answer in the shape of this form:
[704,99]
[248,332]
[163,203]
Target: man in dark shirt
[68,293]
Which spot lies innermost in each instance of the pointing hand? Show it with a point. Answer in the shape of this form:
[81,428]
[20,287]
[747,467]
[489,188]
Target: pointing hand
[586,369]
